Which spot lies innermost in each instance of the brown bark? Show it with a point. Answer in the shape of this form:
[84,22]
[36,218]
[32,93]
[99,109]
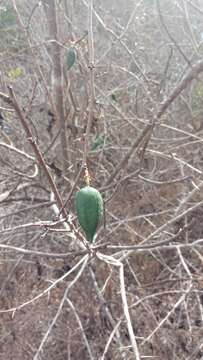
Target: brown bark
[57,74]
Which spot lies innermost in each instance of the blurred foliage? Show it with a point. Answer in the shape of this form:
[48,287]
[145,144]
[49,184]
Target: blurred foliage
[10,38]
[15,73]
[7,16]
[98,142]
[197,97]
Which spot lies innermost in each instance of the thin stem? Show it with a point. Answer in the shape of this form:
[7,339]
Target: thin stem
[91,82]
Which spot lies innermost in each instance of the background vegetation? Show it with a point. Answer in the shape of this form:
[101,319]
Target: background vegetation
[117,86]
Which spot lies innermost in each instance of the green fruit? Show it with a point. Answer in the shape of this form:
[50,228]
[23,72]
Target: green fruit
[70,57]
[89,206]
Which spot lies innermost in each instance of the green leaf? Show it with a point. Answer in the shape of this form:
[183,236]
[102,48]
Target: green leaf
[70,57]
[98,141]
[113,96]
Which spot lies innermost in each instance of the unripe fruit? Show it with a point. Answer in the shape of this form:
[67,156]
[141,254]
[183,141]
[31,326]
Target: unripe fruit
[89,206]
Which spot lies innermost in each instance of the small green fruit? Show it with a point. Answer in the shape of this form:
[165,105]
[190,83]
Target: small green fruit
[89,206]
